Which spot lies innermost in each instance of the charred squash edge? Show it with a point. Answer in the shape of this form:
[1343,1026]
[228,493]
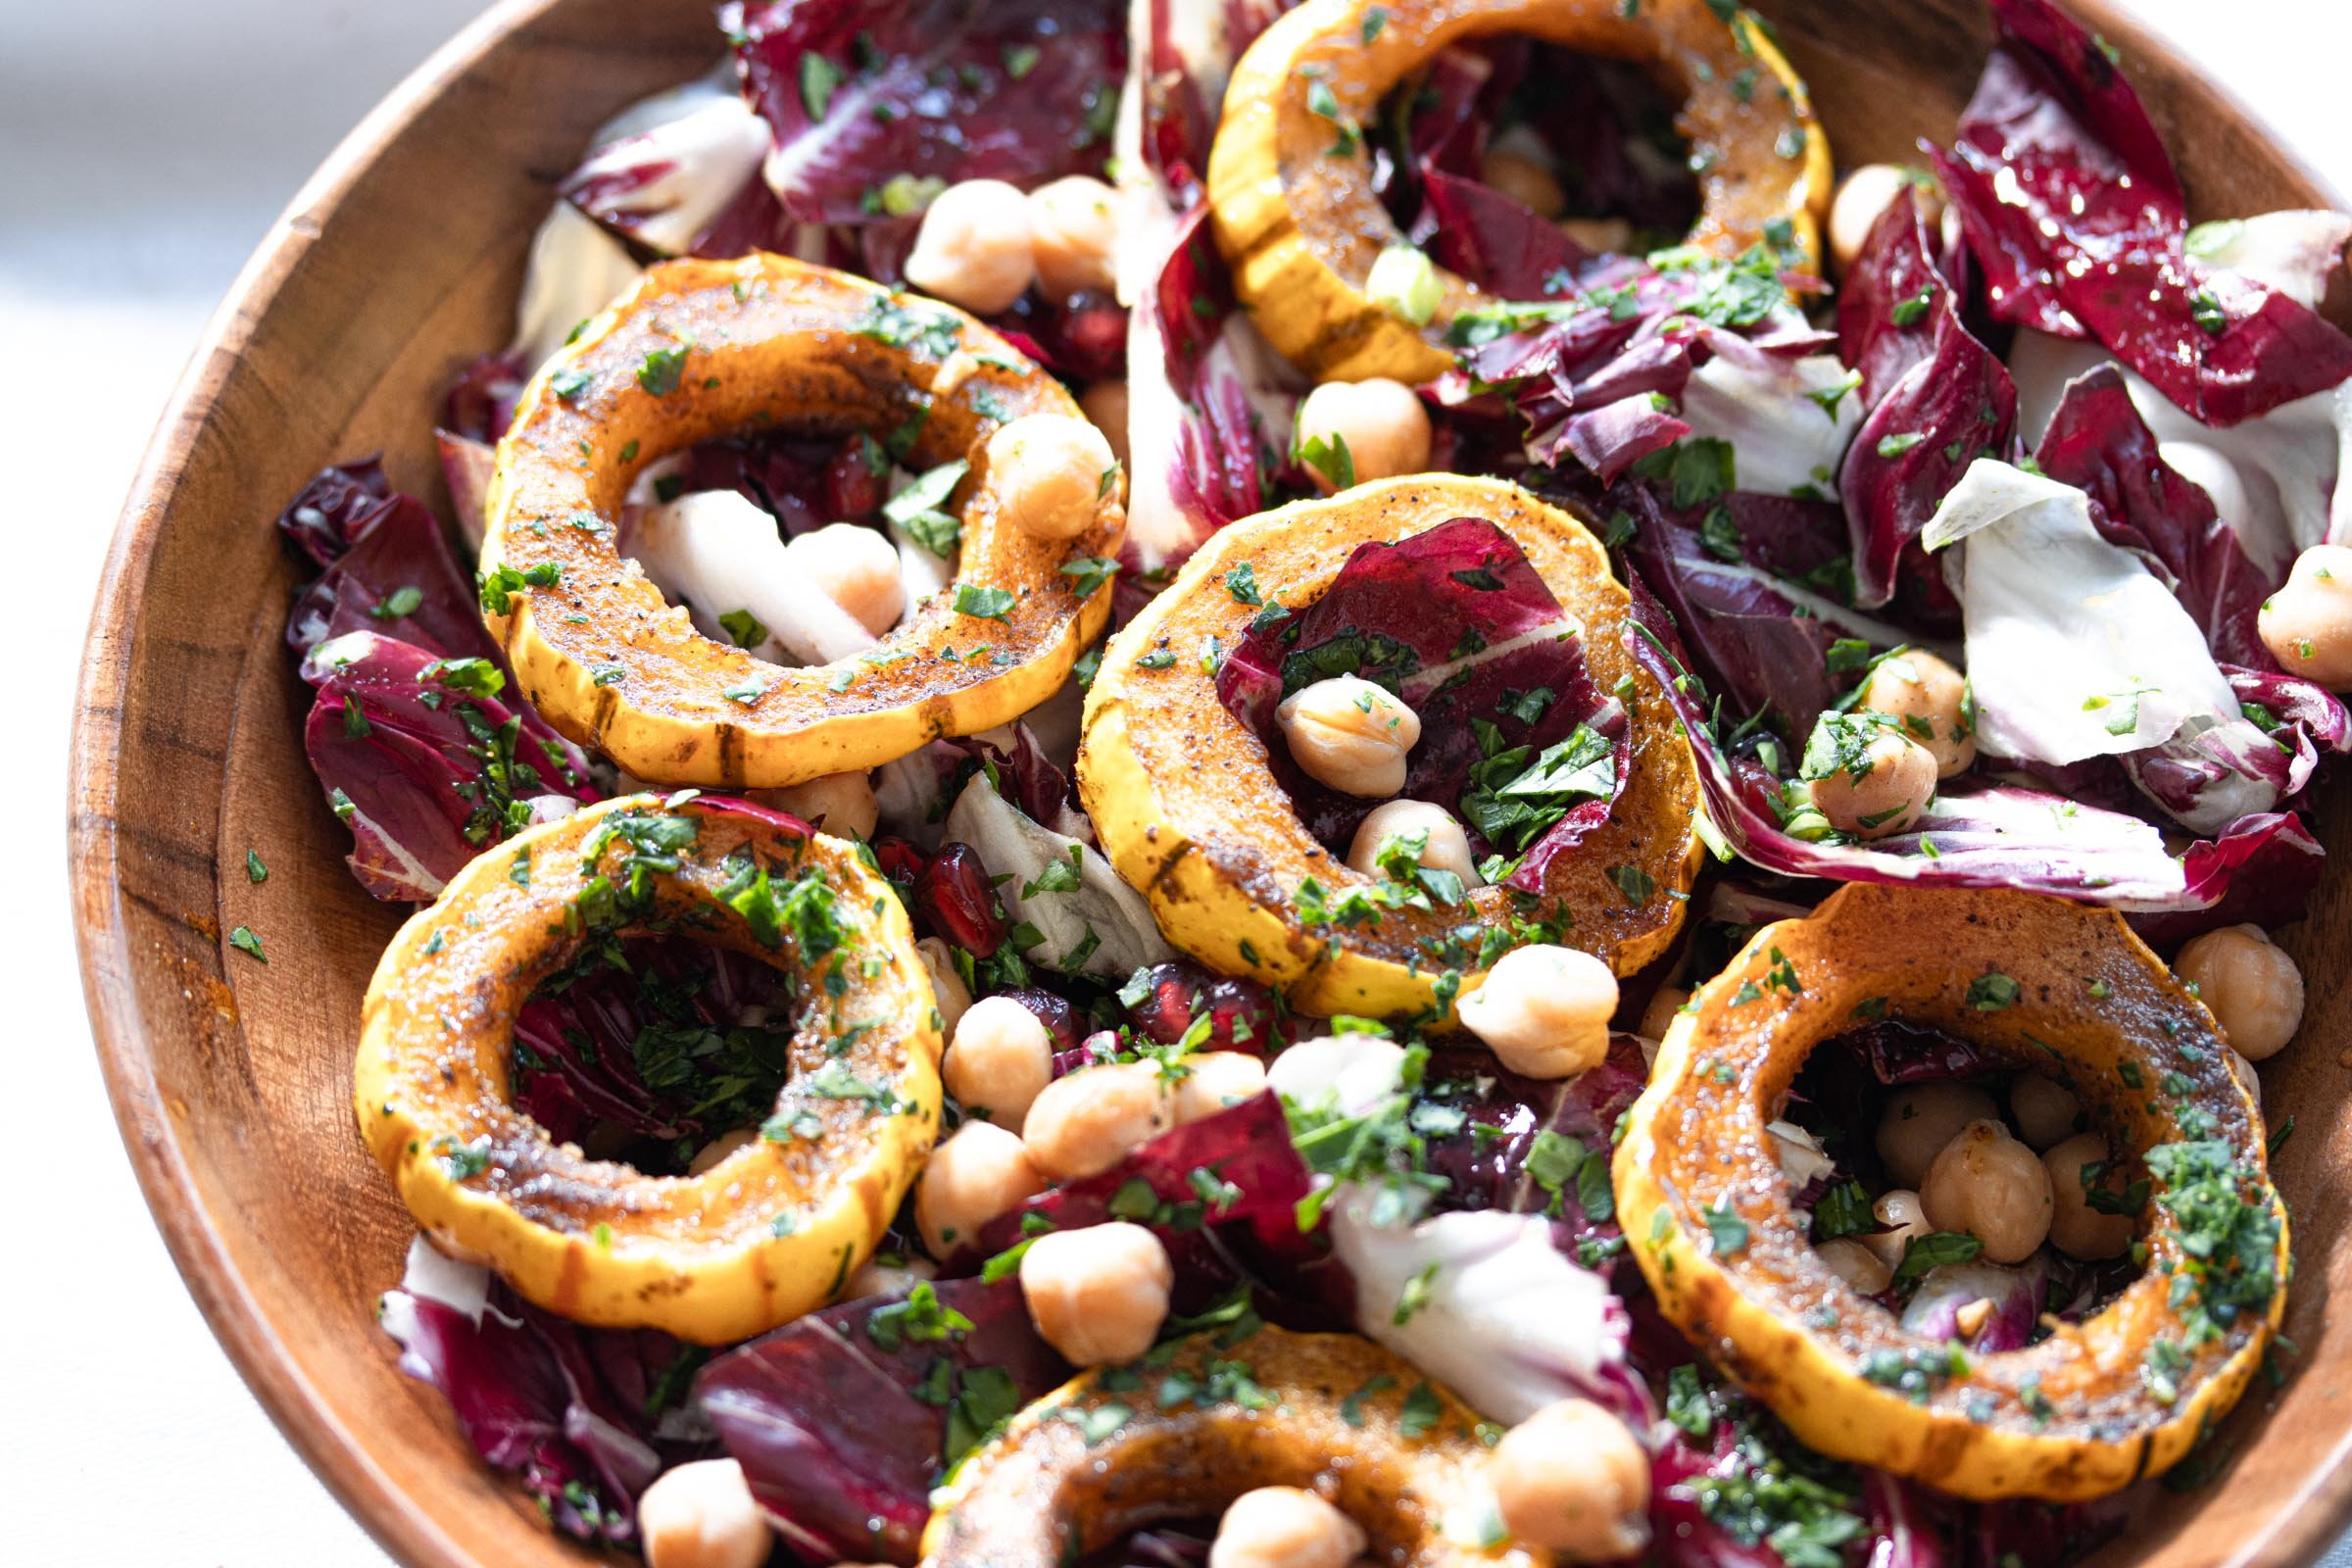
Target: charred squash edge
[702,1257]
[1052,1485]
[1300,224]
[2066,1419]
[1184,805]
[700,350]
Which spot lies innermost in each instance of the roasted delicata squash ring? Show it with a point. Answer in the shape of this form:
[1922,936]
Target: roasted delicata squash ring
[1182,798]
[2035,982]
[1290,176]
[1109,1451]
[706,349]
[770,1232]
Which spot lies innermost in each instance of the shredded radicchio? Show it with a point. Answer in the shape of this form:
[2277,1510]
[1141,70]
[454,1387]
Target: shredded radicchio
[2073,211]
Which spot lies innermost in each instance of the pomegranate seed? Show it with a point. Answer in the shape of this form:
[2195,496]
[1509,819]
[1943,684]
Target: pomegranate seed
[1241,1013]
[954,896]
[853,489]
[1058,1015]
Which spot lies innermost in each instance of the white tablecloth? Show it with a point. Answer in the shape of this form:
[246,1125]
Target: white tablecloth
[144,147]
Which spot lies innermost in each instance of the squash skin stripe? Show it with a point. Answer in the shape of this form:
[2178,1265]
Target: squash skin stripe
[771,343]
[1301,227]
[1188,814]
[595,1241]
[1796,1336]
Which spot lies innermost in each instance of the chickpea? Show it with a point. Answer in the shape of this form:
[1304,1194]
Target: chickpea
[1931,699]
[702,1515]
[1105,405]
[841,804]
[1448,848]
[1349,734]
[1573,1479]
[1906,1219]
[953,997]
[2076,1228]
[1087,1121]
[1097,1295]
[1862,196]
[973,249]
[2045,1110]
[976,1173]
[2247,1078]
[2307,624]
[1381,422]
[1856,1264]
[1073,235]
[1000,1059]
[856,568]
[1285,1526]
[1543,1010]
[1049,470]
[2252,989]
[1992,1186]
[1604,236]
[718,1149]
[1216,1079]
[1920,1119]
[888,1274]
[1665,1004]
[1885,792]
[1524,180]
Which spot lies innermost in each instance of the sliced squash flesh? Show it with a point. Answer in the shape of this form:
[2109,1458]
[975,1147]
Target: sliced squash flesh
[701,350]
[767,1233]
[1291,174]
[1182,798]
[1197,1423]
[2033,982]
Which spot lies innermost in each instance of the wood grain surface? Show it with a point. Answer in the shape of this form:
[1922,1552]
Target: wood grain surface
[231,1078]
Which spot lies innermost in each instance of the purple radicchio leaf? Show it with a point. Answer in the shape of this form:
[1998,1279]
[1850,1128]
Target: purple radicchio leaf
[2073,209]
[391,570]
[1234,1166]
[1983,836]
[843,1420]
[1497,243]
[2097,442]
[1179,78]
[335,509]
[1458,624]
[675,169]
[1209,404]
[479,404]
[424,763]
[889,95]
[1935,400]
[2016,1294]
[576,1412]
[1735,580]
[2263,870]
[465,468]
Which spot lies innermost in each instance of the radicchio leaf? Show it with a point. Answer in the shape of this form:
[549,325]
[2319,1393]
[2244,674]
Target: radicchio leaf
[1985,836]
[2073,209]
[1210,405]
[389,569]
[1186,52]
[1456,621]
[1937,400]
[1232,1166]
[907,96]
[2097,442]
[679,163]
[425,763]
[842,1423]
[576,1412]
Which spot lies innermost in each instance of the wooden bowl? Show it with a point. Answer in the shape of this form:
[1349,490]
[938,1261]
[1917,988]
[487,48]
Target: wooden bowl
[231,1078]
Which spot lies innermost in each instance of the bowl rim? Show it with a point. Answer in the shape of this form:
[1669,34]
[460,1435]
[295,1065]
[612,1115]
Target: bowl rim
[2297,1534]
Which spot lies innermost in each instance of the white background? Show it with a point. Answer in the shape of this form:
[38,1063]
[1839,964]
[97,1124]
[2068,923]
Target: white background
[145,145]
